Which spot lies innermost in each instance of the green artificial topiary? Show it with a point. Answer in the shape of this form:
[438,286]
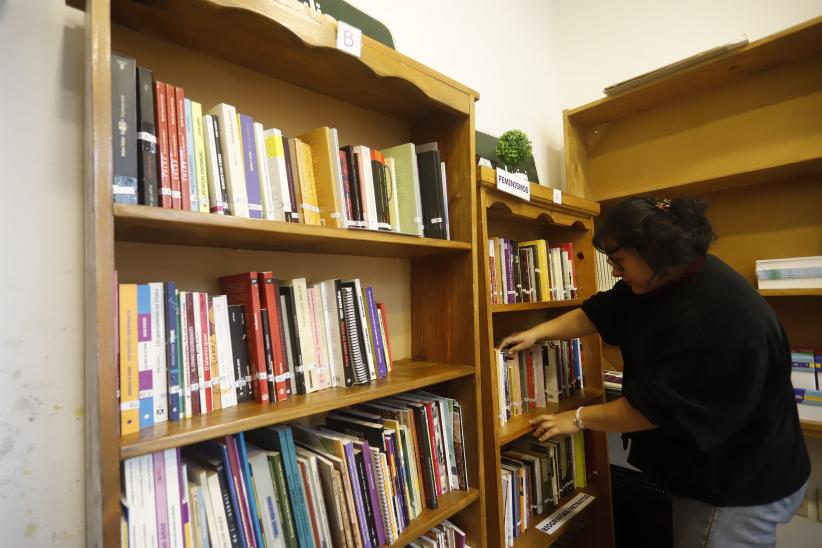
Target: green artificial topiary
[513,148]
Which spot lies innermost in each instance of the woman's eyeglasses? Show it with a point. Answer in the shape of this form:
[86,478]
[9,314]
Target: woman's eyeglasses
[614,263]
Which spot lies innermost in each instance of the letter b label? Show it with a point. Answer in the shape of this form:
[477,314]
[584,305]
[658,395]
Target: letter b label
[349,39]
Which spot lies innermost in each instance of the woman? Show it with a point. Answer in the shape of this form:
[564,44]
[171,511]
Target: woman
[707,398]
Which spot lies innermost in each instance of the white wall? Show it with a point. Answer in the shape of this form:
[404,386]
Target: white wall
[41,274]
[41,136]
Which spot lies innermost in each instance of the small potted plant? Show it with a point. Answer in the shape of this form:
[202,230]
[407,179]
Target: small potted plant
[513,148]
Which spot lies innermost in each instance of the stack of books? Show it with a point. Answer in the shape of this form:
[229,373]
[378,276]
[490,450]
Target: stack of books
[185,353]
[356,481]
[532,271]
[549,372]
[445,535]
[806,377]
[793,273]
[170,152]
[536,475]
[612,380]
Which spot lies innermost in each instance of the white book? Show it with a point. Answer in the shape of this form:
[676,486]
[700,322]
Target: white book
[212,161]
[307,460]
[369,352]
[386,501]
[335,508]
[233,166]
[367,187]
[185,382]
[338,178]
[158,351]
[267,503]
[557,281]
[539,376]
[131,487]
[264,175]
[148,506]
[567,274]
[552,388]
[445,201]
[328,298]
[209,482]
[175,518]
[199,357]
[228,381]
[406,175]
[304,332]
[324,375]
[277,174]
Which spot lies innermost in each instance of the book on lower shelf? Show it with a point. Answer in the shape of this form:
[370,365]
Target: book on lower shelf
[220,160]
[186,353]
[357,479]
[530,271]
[444,535]
[789,273]
[536,476]
[529,379]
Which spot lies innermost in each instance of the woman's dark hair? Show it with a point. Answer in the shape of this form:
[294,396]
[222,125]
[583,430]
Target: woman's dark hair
[665,233]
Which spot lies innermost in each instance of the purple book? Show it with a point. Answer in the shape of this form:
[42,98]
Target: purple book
[145,373]
[358,495]
[372,489]
[511,296]
[161,502]
[184,517]
[252,178]
[379,349]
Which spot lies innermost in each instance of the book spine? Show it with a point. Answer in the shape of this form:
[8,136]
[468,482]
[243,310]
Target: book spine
[214,166]
[129,385]
[199,165]
[205,342]
[237,329]
[183,355]
[193,361]
[215,367]
[385,335]
[144,356]
[163,166]
[268,350]
[194,196]
[358,493]
[146,139]
[175,525]
[173,146]
[232,159]
[281,200]
[269,296]
[294,215]
[382,368]
[158,341]
[182,148]
[239,454]
[228,381]
[289,529]
[249,160]
[363,321]
[172,350]
[345,344]
[124,129]
[270,205]
[160,499]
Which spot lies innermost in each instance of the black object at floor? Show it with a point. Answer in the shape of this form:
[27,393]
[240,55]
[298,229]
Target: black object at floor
[642,510]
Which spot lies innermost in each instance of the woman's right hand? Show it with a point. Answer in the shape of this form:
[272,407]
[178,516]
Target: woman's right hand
[518,341]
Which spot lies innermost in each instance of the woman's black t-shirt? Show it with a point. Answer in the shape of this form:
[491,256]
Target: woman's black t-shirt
[707,361]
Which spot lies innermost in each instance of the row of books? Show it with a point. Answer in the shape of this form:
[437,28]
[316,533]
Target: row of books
[612,380]
[357,481]
[536,475]
[529,379]
[445,535]
[806,369]
[171,153]
[185,353]
[532,271]
[790,273]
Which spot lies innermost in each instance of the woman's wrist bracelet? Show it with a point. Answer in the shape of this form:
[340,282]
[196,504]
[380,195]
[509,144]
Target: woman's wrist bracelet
[578,419]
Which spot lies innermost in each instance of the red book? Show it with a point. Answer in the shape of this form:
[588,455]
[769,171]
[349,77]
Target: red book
[182,149]
[270,299]
[432,434]
[383,313]
[191,343]
[162,144]
[173,146]
[240,488]
[243,289]
[310,500]
[206,342]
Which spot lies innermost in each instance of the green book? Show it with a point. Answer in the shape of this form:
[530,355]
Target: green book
[275,462]
[407,180]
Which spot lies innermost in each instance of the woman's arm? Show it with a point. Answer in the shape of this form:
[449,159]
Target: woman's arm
[568,326]
[614,416]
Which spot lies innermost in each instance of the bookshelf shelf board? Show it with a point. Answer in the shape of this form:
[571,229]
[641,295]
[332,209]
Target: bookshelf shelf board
[406,375]
[542,196]
[812,292]
[518,426]
[138,223]
[537,539]
[448,505]
[518,307]
[812,429]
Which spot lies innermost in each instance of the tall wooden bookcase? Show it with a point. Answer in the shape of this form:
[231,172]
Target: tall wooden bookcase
[279,64]
[503,215]
[744,130]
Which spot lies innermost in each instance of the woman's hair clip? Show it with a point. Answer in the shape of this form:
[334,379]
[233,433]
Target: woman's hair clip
[663,204]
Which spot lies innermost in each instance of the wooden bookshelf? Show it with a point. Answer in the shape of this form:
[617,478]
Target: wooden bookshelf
[280,65]
[448,505]
[572,220]
[407,375]
[812,429]
[709,130]
[534,538]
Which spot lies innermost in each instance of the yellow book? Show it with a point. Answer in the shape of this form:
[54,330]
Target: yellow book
[201,173]
[542,262]
[325,161]
[129,386]
[580,476]
[296,175]
[308,186]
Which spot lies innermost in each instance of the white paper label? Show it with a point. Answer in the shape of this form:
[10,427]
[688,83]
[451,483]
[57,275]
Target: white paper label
[130,405]
[563,515]
[557,196]
[349,39]
[508,183]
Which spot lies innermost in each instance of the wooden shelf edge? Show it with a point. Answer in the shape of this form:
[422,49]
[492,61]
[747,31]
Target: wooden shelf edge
[535,538]
[448,505]
[541,195]
[812,292]
[137,223]
[811,429]
[542,305]
[407,375]
[518,426]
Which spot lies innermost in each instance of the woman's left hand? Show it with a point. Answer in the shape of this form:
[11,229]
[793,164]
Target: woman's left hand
[549,426]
